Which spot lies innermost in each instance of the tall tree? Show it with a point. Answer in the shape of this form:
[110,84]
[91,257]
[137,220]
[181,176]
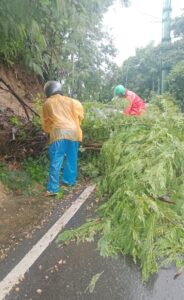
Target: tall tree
[141,72]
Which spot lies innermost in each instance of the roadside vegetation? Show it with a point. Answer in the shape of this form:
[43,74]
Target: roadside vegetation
[140,185]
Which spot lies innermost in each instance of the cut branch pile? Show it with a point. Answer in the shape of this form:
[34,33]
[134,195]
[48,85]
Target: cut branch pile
[29,141]
[18,138]
[142,180]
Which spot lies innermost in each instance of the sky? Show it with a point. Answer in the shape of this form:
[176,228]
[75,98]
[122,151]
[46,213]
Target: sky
[136,26]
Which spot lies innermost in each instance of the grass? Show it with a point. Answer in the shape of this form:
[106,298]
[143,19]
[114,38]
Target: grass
[60,195]
[28,179]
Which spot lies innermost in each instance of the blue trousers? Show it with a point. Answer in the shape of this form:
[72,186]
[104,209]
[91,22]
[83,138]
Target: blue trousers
[62,152]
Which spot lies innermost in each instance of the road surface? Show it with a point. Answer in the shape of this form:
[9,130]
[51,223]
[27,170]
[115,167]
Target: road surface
[65,272]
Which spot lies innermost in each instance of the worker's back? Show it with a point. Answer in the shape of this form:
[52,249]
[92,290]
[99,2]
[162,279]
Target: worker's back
[62,114]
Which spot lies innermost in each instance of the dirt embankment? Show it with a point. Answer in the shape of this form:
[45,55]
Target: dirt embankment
[28,89]
[25,85]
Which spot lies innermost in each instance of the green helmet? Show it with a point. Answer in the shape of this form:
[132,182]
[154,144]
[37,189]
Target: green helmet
[120,90]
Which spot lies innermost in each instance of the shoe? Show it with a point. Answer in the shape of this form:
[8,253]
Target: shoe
[67,184]
[47,194]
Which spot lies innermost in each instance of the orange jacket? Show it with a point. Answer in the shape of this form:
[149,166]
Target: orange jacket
[61,118]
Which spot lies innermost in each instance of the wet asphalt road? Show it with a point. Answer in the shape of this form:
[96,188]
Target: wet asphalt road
[64,273]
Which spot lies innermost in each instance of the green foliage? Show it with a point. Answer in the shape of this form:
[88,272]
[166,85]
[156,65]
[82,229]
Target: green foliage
[88,165]
[59,40]
[15,121]
[16,180]
[60,195]
[178,26]
[90,288]
[37,168]
[101,120]
[142,72]
[176,83]
[38,103]
[14,19]
[142,166]
[26,177]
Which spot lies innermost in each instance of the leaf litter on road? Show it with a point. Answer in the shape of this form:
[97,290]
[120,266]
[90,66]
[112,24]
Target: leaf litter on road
[90,288]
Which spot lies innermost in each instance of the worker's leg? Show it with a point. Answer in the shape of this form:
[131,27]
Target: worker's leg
[56,154]
[70,167]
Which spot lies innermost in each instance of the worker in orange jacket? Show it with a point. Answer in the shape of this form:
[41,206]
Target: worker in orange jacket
[61,118]
[133,104]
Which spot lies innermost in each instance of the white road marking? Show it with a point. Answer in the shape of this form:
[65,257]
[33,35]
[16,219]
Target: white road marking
[18,272]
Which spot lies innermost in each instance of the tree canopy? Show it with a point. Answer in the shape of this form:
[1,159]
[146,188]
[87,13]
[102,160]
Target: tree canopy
[58,40]
[142,72]
[65,40]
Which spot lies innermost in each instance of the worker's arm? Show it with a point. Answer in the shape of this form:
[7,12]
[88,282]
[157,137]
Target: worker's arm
[79,110]
[46,120]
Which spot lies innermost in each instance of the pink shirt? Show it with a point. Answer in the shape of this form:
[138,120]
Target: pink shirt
[136,104]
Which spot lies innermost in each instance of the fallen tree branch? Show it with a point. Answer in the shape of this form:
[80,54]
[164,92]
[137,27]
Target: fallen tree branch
[178,273]
[165,198]
[92,146]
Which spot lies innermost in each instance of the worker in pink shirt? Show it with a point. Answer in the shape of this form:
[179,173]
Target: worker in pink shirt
[132,103]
